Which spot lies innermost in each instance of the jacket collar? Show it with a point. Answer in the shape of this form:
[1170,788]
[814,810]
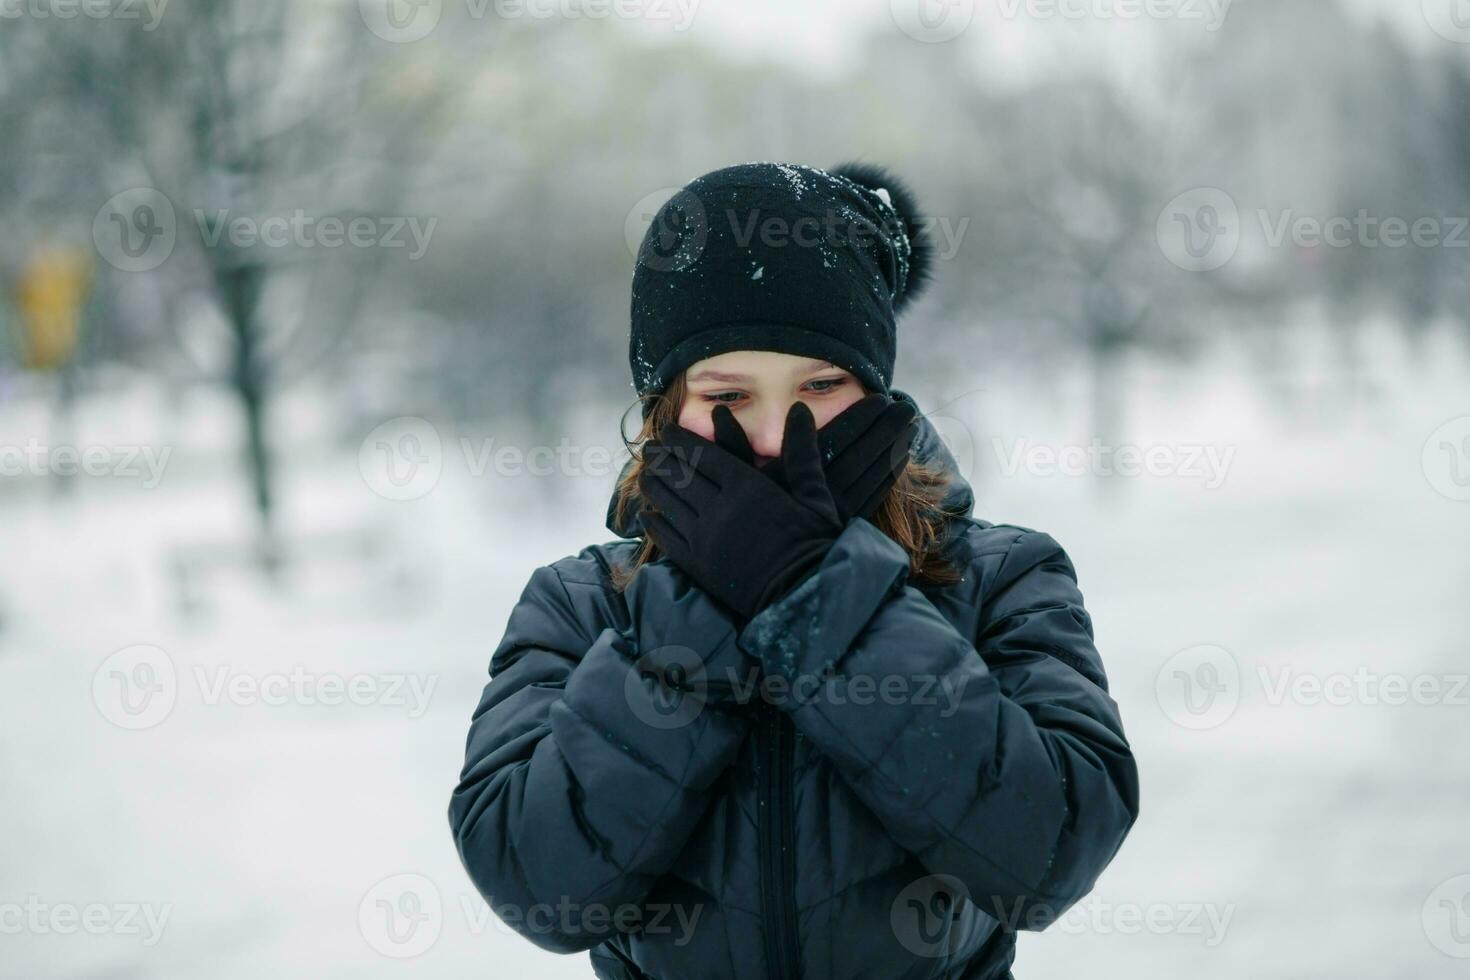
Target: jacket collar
[928,447]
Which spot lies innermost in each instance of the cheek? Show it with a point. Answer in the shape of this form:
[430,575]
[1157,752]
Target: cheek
[829,408]
[697,420]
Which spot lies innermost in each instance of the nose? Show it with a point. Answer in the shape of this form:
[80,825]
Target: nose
[765,427]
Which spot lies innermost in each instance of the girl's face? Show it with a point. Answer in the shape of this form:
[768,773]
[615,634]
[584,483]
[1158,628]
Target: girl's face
[759,387]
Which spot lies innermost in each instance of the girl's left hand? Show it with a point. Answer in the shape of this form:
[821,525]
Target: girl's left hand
[744,538]
[864,448]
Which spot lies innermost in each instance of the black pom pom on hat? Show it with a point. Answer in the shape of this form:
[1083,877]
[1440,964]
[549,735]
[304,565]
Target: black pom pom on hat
[897,195]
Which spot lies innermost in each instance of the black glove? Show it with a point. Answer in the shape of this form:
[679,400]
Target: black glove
[745,539]
[864,448]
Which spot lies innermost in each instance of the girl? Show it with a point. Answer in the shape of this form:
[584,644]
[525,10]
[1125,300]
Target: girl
[810,718]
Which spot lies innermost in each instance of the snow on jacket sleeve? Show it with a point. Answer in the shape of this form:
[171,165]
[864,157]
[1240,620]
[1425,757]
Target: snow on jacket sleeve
[1000,759]
[569,797]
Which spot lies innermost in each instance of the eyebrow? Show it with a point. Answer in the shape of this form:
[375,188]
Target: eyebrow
[810,367]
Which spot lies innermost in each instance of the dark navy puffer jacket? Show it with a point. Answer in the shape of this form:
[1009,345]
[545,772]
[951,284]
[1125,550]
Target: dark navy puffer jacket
[944,766]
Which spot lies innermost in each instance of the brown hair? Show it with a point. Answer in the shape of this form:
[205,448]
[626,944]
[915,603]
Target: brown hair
[910,514]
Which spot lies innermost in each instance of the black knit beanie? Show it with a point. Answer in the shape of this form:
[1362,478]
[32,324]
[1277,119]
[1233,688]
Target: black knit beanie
[778,257]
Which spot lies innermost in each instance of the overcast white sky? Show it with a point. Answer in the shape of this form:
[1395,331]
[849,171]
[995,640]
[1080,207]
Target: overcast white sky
[1011,39]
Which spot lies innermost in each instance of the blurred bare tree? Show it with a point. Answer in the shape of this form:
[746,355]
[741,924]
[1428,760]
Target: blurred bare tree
[232,109]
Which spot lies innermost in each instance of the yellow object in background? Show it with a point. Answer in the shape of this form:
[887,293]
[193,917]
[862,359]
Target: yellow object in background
[53,288]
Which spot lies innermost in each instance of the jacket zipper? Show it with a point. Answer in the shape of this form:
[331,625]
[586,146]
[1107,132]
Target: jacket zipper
[777,752]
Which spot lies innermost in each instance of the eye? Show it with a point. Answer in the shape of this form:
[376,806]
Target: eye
[828,384]
[721,397]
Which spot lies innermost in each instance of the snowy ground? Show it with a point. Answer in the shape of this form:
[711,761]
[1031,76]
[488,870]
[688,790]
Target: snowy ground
[240,839]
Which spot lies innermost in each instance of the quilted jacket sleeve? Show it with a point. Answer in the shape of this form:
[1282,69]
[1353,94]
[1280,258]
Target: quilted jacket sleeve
[584,773]
[998,759]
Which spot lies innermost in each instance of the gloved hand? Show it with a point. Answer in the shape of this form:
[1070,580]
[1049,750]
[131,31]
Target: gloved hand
[864,449]
[745,539]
